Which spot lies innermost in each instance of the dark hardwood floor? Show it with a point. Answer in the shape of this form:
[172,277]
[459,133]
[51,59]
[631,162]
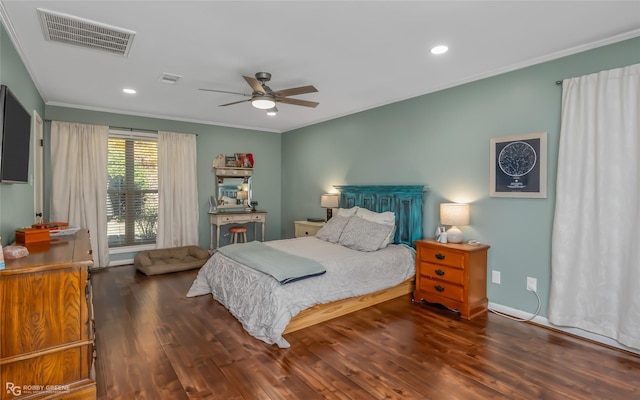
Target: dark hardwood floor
[154,343]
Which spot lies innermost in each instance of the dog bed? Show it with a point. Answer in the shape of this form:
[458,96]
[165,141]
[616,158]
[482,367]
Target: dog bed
[162,261]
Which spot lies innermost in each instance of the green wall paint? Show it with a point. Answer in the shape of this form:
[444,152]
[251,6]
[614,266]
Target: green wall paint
[211,141]
[442,140]
[16,200]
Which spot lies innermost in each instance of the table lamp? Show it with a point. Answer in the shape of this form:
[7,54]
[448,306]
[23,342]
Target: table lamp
[242,195]
[329,201]
[454,214]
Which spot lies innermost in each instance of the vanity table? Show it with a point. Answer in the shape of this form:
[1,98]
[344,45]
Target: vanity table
[235,217]
[234,175]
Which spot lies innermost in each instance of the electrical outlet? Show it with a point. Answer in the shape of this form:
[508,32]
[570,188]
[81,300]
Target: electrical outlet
[495,277]
[532,284]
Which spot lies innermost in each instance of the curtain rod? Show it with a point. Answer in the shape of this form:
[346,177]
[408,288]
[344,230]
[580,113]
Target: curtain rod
[558,82]
[132,129]
[129,129]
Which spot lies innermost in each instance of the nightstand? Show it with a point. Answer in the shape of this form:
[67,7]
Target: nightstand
[453,275]
[307,228]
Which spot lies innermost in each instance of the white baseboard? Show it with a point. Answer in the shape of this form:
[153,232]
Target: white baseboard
[120,262]
[573,331]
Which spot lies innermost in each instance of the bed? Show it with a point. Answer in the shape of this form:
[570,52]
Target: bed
[352,277]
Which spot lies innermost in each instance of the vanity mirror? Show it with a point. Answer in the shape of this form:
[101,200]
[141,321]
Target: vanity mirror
[234,193]
[233,179]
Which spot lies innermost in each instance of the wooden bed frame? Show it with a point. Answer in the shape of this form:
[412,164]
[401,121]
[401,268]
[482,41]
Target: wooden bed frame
[324,312]
[406,202]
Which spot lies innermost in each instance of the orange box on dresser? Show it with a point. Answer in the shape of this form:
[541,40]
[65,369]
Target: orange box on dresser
[31,235]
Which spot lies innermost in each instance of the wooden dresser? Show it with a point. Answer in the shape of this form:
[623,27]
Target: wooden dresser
[46,322]
[453,275]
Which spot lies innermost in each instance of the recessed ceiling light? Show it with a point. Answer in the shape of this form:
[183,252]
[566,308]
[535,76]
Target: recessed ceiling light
[441,49]
[129,91]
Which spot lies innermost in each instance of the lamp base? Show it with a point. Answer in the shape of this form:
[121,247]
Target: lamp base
[329,213]
[454,235]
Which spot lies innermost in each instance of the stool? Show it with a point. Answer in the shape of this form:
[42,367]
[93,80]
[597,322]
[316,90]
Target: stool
[238,230]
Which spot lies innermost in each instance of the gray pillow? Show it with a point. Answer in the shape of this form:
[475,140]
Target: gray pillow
[332,230]
[360,234]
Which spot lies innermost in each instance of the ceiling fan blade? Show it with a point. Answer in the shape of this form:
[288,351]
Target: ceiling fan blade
[235,102]
[223,91]
[296,90]
[297,102]
[255,84]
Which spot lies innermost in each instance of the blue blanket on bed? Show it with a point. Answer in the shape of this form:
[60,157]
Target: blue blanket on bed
[283,266]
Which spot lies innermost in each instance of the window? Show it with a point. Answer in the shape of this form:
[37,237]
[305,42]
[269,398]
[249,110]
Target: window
[132,192]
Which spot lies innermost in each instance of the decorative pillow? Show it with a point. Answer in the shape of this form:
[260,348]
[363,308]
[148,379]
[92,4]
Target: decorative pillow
[332,230]
[386,218]
[347,212]
[360,234]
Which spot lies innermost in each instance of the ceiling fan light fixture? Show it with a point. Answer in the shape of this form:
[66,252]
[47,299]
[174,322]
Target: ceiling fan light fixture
[272,111]
[263,102]
[440,49]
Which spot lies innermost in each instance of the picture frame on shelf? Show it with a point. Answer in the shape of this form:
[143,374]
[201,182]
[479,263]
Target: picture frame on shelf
[241,160]
[230,161]
[519,166]
[244,160]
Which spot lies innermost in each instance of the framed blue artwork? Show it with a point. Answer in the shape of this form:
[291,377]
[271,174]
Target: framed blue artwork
[519,166]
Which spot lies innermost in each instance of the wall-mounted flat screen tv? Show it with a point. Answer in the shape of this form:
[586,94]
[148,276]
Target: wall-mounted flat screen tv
[15,135]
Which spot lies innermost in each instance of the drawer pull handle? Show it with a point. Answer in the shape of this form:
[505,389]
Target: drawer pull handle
[439,288]
[439,272]
[439,256]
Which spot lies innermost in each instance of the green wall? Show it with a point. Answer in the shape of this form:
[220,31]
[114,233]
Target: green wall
[16,200]
[442,140]
[211,141]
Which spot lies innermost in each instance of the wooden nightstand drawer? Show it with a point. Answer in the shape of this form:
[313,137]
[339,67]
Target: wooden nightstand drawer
[441,272]
[442,256]
[442,289]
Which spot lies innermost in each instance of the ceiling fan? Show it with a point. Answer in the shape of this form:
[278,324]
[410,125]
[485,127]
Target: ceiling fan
[264,98]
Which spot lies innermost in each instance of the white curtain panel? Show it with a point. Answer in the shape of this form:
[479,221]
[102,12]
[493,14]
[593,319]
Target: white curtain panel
[178,190]
[79,181]
[595,281]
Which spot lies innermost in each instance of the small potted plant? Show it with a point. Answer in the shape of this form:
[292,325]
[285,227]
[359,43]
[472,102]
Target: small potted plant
[254,204]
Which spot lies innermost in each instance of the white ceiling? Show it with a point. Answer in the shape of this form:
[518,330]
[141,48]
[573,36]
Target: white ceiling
[358,54]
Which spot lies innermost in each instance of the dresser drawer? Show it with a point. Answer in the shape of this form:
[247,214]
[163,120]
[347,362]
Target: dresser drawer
[442,289]
[442,256]
[257,217]
[442,272]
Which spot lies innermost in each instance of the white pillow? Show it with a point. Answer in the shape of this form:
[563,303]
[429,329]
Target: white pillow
[385,218]
[360,234]
[332,230]
[347,212]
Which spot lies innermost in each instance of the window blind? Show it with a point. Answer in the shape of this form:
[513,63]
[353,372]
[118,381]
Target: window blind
[132,192]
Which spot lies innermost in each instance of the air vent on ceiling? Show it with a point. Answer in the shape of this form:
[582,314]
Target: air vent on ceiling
[169,78]
[81,32]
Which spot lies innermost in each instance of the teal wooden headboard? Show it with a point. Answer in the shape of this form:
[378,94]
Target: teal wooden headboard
[406,201]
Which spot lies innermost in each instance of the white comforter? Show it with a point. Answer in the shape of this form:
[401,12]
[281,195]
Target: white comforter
[265,307]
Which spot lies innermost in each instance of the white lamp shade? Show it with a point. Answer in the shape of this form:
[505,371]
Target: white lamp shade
[329,201]
[454,214]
